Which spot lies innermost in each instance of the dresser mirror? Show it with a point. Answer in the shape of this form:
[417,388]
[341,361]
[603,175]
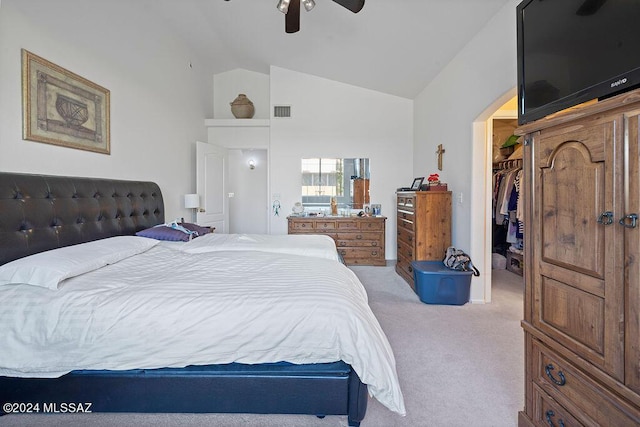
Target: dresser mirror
[345,179]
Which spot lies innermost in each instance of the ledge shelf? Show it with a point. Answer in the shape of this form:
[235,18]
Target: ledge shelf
[237,122]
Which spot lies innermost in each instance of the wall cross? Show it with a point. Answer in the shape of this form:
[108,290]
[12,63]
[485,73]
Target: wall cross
[440,151]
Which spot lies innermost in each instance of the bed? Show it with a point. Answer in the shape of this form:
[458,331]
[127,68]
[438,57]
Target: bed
[39,213]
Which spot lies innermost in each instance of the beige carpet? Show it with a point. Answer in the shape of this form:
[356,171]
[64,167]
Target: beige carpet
[458,365]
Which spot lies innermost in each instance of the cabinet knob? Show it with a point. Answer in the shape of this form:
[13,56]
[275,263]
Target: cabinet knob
[624,221]
[359,237]
[605,218]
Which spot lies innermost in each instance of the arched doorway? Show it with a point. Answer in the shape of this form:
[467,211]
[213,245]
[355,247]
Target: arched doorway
[481,200]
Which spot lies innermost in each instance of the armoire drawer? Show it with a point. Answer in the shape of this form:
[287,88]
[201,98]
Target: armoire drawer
[547,412]
[589,401]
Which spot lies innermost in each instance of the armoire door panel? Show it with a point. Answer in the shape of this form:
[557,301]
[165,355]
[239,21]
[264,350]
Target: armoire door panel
[578,261]
[569,311]
[572,198]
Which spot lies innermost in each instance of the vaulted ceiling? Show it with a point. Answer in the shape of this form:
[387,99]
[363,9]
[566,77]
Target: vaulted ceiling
[391,46]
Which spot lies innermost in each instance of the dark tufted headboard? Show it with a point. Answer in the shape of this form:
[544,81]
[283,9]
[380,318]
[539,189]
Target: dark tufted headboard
[41,212]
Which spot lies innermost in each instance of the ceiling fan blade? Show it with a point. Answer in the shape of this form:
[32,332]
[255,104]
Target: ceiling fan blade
[292,18]
[354,6]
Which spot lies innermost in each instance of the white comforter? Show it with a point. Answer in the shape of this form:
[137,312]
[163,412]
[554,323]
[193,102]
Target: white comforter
[295,244]
[166,308]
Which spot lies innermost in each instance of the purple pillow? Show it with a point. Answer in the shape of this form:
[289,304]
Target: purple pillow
[195,227]
[162,232]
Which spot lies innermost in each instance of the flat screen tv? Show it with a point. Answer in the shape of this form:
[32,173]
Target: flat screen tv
[573,51]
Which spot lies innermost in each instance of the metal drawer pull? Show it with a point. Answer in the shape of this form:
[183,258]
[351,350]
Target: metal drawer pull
[548,369]
[359,237]
[605,218]
[632,217]
[550,414]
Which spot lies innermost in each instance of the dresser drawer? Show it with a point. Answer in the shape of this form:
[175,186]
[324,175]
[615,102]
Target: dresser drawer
[405,214]
[591,403]
[372,226]
[359,239]
[348,225]
[363,256]
[322,225]
[405,236]
[306,226]
[547,412]
[406,225]
[406,201]
[405,250]
[404,269]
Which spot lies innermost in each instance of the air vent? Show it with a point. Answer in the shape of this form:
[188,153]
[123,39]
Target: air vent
[282,111]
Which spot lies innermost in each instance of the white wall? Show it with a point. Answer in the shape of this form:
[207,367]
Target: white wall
[158,101]
[482,73]
[331,119]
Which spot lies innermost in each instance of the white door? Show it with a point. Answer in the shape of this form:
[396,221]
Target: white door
[211,185]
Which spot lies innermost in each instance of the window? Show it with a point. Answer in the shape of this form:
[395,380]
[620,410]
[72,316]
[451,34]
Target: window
[322,179]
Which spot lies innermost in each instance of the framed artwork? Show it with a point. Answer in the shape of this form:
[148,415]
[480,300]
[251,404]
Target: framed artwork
[62,108]
[417,183]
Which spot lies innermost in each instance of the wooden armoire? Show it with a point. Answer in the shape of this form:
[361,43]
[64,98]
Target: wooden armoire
[582,257]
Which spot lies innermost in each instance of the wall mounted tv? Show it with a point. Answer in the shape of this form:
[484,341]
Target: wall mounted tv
[572,51]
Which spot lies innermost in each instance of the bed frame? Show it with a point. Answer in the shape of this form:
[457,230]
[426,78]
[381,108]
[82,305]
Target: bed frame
[39,212]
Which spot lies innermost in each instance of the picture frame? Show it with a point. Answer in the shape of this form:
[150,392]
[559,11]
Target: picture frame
[62,108]
[417,183]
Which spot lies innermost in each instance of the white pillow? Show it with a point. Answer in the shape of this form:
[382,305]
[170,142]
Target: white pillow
[48,269]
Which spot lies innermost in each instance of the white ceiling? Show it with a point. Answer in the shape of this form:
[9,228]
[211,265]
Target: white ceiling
[392,46]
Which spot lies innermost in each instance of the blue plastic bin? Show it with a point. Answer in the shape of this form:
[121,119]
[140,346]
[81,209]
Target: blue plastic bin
[437,284]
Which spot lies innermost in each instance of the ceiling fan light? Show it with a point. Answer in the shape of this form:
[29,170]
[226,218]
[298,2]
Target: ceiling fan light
[283,6]
[309,4]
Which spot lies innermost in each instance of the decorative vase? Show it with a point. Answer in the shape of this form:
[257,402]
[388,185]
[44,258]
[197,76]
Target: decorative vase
[242,107]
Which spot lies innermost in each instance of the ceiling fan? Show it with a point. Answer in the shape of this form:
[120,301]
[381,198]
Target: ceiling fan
[291,9]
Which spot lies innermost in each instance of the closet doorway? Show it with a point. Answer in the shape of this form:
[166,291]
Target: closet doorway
[503,108]
[507,211]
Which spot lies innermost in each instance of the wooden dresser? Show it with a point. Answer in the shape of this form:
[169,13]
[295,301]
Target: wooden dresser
[582,275]
[424,228]
[360,240]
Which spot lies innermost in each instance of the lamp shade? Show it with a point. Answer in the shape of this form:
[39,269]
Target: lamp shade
[191,201]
